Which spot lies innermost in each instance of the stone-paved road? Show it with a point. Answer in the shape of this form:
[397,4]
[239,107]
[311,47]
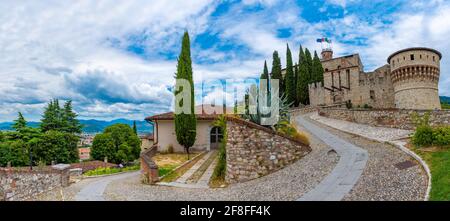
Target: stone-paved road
[346,173]
[94,191]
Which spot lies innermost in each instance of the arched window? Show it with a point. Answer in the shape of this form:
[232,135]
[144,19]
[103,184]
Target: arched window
[216,136]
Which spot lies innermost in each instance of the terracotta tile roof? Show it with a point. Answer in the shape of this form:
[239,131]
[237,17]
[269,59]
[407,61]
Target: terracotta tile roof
[200,110]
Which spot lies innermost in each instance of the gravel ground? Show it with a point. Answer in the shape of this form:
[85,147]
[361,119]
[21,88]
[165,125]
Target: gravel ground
[286,184]
[381,180]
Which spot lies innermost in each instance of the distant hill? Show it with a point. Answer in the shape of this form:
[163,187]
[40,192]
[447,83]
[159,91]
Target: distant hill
[445,99]
[94,126]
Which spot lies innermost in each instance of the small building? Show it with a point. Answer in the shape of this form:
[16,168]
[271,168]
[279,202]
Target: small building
[84,153]
[208,136]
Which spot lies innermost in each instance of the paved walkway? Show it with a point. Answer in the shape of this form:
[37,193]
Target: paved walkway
[347,171]
[381,134]
[94,191]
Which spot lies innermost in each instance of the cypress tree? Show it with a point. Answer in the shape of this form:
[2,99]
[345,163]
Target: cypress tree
[276,71]
[295,84]
[185,123]
[135,128]
[20,123]
[290,87]
[303,78]
[317,69]
[309,65]
[265,75]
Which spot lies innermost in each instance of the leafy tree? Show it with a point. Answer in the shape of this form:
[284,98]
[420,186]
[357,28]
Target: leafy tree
[103,146]
[57,146]
[317,69]
[276,71]
[14,152]
[118,143]
[20,123]
[290,87]
[185,123]
[135,128]
[69,119]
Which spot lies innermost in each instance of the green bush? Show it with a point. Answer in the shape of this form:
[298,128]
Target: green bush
[441,136]
[423,136]
[220,169]
[348,104]
[118,143]
[111,170]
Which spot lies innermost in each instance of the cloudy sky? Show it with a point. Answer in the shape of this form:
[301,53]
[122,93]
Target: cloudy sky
[117,59]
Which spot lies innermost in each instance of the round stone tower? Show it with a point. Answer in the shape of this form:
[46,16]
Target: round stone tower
[415,77]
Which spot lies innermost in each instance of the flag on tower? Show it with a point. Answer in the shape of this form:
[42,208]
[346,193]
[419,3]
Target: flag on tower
[320,40]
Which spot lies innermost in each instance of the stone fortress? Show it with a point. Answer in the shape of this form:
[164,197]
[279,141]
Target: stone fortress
[408,81]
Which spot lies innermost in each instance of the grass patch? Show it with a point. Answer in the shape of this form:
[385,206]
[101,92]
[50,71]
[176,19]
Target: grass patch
[111,170]
[173,175]
[438,159]
[168,161]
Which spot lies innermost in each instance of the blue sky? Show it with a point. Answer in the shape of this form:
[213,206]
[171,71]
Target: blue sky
[117,60]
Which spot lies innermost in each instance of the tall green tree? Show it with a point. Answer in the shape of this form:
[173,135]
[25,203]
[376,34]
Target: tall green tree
[290,81]
[52,118]
[265,75]
[20,123]
[185,123]
[317,69]
[296,70]
[135,128]
[276,71]
[118,143]
[303,78]
[69,119]
[309,65]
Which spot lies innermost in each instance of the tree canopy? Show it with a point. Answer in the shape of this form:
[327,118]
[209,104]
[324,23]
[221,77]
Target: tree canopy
[185,123]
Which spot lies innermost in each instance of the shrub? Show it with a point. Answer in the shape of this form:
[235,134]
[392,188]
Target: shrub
[290,130]
[348,104]
[423,136]
[220,169]
[441,136]
[118,143]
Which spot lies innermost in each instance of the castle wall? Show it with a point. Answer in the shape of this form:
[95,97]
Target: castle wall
[410,81]
[415,76]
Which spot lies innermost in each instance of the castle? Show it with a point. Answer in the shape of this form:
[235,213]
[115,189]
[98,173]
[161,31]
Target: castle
[408,81]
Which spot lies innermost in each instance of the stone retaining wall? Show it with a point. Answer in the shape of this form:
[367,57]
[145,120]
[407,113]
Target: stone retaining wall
[22,183]
[394,118]
[254,151]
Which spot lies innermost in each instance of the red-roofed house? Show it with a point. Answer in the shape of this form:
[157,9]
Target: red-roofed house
[208,136]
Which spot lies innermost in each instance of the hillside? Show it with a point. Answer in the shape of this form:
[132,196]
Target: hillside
[94,126]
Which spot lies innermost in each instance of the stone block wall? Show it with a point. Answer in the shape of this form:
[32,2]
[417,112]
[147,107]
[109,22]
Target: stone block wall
[394,118]
[18,184]
[254,151]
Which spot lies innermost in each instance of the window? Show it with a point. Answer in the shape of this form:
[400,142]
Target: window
[372,94]
[412,57]
[404,58]
[420,56]
[326,69]
[434,59]
[348,78]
